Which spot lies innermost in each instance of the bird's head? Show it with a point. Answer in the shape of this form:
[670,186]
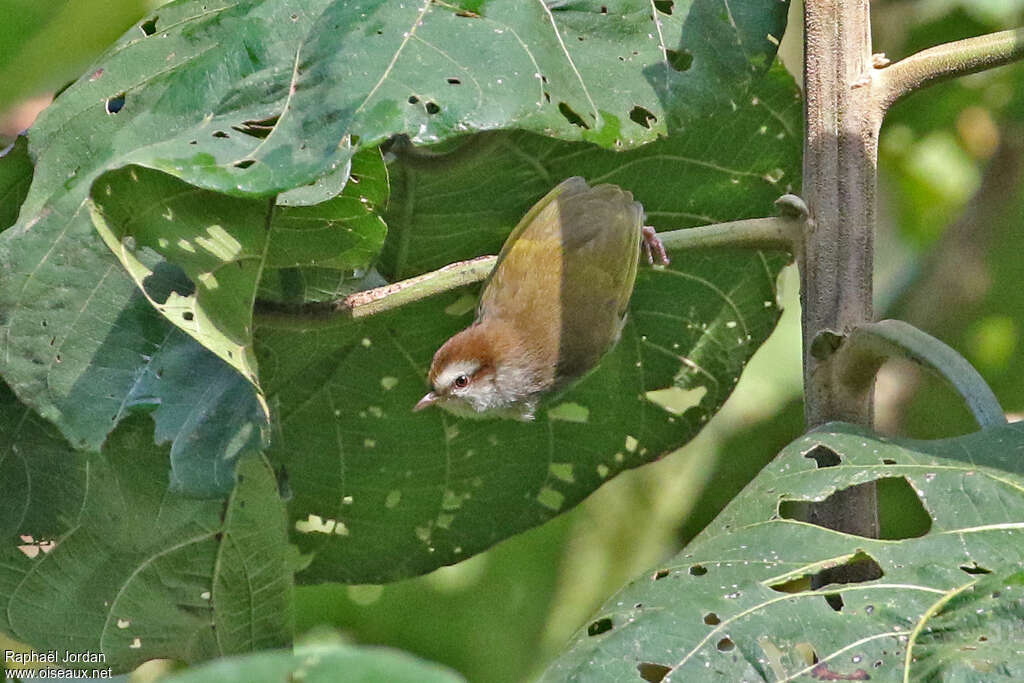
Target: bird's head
[472,377]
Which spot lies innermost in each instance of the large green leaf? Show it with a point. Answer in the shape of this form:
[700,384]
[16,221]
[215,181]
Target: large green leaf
[620,72]
[736,604]
[243,98]
[97,556]
[224,244]
[381,493]
[321,663]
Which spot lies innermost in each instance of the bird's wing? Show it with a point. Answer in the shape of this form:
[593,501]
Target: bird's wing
[536,234]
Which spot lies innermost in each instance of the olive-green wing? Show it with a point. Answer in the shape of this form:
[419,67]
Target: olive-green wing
[567,270]
[543,233]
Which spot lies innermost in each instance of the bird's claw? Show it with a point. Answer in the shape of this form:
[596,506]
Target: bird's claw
[652,246]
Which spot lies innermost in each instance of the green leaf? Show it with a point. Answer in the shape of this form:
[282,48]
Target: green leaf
[975,635]
[223,244]
[620,73]
[737,604]
[321,663]
[97,556]
[228,96]
[209,413]
[253,592]
[15,177]
[381,493]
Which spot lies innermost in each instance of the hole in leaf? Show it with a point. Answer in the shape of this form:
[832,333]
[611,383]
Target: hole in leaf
[975,568]
[604,9]
[901,514]
[835,601]
[698,570]
[188,315]
[888,461]
[413,99]
[823,456]
[711,619]
[547,96]
[653,673]
[642,116]
[454,81]
[660,574]
[115,104]
[432,108]
[571,116]
[664,6]
[246,163]
[220,134]
[725,645]
[860,564]
[680,60]
[149,27]
[260,128]
[602,625]
[165,279]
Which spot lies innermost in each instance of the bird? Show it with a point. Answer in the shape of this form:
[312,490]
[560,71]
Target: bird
[552,307]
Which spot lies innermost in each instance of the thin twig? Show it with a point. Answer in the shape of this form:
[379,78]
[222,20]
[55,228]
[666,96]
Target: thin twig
[947,61]
[776,233]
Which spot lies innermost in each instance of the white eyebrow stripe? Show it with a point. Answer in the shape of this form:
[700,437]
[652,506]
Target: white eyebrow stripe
[454,369]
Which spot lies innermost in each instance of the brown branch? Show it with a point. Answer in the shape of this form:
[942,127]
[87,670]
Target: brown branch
[840,155]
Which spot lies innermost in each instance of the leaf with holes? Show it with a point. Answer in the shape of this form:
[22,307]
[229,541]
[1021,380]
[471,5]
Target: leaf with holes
[617,73]
[74,335]
[381,493]
[153,575]
[320,663]
[738,603]
[222,245]
[263,96]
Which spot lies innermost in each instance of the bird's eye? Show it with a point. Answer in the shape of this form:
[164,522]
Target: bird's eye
[461,382]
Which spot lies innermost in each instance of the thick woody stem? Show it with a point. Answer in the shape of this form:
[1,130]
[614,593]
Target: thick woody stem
[840,155]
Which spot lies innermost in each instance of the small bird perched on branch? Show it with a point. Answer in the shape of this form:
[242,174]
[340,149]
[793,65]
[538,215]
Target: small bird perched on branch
[554,304]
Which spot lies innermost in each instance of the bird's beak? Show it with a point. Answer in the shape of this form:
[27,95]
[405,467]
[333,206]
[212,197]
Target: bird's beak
[425,402]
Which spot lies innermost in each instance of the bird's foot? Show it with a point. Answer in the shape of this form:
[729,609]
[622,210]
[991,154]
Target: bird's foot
[652,246]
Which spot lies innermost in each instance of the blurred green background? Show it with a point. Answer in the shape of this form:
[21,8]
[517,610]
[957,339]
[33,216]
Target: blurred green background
[951,208]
